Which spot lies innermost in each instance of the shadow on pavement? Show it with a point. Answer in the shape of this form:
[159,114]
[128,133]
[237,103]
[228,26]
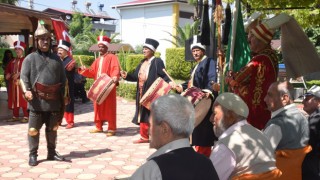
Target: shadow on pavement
[85,154]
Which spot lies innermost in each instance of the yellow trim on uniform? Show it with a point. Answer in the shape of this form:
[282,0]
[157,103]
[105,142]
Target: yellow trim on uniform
[175,20]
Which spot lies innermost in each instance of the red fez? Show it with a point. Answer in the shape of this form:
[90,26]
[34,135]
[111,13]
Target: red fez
[104,40]
[20,44]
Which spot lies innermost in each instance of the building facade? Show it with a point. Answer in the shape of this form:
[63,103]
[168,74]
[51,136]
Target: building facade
[155,19]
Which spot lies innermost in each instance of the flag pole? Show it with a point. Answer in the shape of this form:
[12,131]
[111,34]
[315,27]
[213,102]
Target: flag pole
[234,31]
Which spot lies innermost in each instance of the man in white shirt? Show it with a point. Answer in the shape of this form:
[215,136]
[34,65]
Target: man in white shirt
[242,151]
[171,123]
[287,130]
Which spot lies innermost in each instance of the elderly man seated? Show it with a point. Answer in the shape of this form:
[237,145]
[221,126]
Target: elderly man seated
[242,151]
[287,130]
[171,123]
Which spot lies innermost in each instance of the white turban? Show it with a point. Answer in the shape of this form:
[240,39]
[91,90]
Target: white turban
[233,103]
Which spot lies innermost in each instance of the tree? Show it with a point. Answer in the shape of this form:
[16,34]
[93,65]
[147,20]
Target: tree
[12,2]
[184,33]
[195,10]
[306,12]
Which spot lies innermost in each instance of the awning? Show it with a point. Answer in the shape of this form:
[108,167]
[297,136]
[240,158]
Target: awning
[17,20]
[113,48]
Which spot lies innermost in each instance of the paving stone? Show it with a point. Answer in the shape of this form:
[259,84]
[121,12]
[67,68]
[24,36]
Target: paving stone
[89,156]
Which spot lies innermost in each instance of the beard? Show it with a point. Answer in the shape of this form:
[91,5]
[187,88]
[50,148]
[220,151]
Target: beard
[220,127]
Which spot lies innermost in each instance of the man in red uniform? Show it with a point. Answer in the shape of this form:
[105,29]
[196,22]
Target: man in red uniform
[251,83]
[15,95]
[107,64]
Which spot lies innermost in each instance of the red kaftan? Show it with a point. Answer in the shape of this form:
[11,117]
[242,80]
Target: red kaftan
[253,83]
[15,95]
[106,111]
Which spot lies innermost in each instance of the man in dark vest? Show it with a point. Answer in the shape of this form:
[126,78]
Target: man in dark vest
[69,66]
[43,81]
[202,76]
[170,129]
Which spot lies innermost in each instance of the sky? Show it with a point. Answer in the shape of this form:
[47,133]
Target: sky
[66,4]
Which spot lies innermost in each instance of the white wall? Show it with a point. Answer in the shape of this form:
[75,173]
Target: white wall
[139,23]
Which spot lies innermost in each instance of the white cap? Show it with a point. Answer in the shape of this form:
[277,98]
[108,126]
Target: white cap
[314,90]
[233,103]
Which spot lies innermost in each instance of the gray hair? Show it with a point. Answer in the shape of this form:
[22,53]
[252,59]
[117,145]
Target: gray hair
[175,110]
[285,88]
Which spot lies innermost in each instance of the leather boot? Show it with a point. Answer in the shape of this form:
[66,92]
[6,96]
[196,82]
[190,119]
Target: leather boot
[33,160]
[55,157]
[51,137]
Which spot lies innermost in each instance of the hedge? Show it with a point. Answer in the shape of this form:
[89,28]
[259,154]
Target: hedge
[86,60]
[133,60]
[176,66]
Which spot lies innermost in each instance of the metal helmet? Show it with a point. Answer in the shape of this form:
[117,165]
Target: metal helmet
[41,30]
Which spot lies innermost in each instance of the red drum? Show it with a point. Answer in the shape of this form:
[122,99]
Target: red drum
[158,88]
[101,88]
[200,102]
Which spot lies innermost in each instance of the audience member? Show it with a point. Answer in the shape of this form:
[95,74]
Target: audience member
[242,151]
[171,123]
[311,105]
[287,130]
[7,57]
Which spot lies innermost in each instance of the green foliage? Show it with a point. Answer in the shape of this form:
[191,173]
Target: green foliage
[132,62]
[114,39]
[88,83]
[183,33]
[2,83]
[176,66]
[306,17]
[86,60]
[4,44]
[122,56]
[138,49]
[314,36]
[127,90]
[313,82]
[12,2]
[76,25]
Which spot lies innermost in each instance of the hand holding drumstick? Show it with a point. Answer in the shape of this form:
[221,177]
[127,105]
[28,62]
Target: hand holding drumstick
[82,67]
[172,83]
[123,74]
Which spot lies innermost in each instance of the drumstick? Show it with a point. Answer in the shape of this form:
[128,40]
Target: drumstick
[80,61]
[168,75]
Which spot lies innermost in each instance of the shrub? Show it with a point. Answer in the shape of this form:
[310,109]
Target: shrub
[88,83]
[2,83]
[86,60]
[313,82]
[127,90]
[132,62]
[176,66]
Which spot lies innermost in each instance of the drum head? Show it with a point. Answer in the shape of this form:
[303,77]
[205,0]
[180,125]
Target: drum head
[201,110]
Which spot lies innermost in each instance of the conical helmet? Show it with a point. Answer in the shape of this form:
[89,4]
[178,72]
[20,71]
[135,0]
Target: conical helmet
[41,30]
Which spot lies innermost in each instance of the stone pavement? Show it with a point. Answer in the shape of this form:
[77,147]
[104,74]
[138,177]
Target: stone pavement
[89,156]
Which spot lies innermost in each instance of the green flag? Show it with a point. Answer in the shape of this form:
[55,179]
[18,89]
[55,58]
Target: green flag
[238,52]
